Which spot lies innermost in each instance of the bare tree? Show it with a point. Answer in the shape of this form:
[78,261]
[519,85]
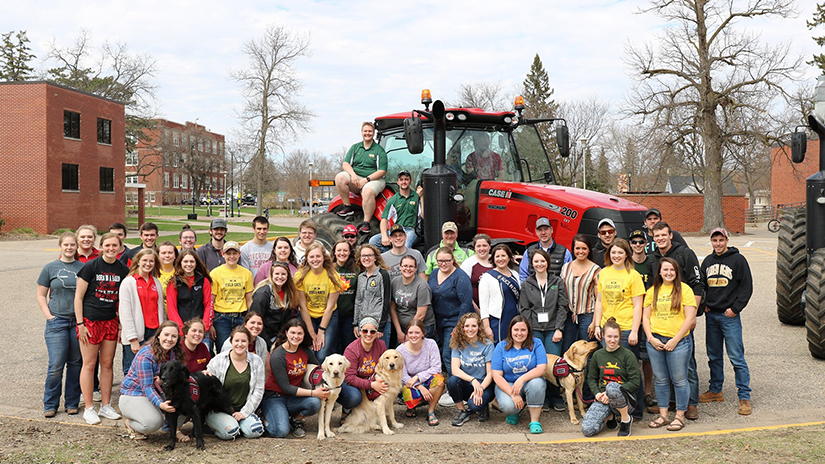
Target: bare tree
[701,71]
[488,96]
[272,114]
[586,120]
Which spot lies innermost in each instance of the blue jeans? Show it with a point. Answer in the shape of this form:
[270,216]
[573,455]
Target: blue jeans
[64,351]
[375,240]
[227,428]
[532,392]
[462,390]
[349,397]
[128,356]
[345,333]
[693,374]
[446,334]
[223,324]
[279,409]
[553,394]
[330,336]
[727,331]
[593,421]
[671,367]
[387,334]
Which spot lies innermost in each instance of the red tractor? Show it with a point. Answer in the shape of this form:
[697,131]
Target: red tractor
[437,148]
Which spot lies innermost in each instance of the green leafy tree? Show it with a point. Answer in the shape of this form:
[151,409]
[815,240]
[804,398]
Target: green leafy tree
[818,20]
[15,56]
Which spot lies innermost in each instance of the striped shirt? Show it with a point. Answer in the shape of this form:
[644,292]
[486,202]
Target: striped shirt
[581,290]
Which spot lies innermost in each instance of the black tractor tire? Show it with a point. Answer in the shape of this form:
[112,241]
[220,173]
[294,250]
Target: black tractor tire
[815,305]
[330,227]
[375,227]
[791,267]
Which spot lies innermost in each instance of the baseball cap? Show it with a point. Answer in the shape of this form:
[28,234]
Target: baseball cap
[653,211]
[637,233]
[404,172]
[606,221]
[542,221]
[218,223]
[719,230]
[231,245]
[449,225]
[349,229]
[397,228]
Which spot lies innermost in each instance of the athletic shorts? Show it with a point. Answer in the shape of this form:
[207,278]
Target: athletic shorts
[101,330]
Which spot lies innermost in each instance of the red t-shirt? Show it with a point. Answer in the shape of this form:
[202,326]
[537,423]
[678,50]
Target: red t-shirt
[148,294]
[196,360]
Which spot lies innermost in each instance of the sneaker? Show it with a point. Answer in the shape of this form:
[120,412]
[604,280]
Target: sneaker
[297,428]
[446,400]
[484,414]
[624,428]
[611,423]
[346,211]
[90,416]
[365,228]
[545,407]
[559,405]
[461,418]
[96,396]
[709,396]
[745,407]
[108,412]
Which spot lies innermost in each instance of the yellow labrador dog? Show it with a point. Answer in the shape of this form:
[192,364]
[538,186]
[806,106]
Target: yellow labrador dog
[334,367]
[576,357]
[377,413]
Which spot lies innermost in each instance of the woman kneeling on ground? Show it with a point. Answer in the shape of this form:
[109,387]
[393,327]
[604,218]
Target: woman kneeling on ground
[286,404]
[472,379]
[422,371]
[613,374]
[242,374]
[518,364]
[140,403]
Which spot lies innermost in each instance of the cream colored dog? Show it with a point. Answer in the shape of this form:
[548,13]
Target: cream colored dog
[334,367]
[376,414]
[576,357]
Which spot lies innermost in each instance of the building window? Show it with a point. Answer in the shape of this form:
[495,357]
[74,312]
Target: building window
[104,131]
[151,198]
[175,160]
[165,180]
[214,147]
[132,179]
[71,124]
[184,182]
[128,198]
[70,176]
[131,158]
[176,139]
[176,181]
[107,179]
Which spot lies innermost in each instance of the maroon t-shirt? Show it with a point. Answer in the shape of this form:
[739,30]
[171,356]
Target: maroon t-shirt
[196,360]
[478,270]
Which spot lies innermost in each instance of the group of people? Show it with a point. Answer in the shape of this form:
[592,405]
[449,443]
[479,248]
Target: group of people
[472,325]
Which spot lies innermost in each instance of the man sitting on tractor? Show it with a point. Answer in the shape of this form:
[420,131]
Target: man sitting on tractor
[484,163]
[364,167]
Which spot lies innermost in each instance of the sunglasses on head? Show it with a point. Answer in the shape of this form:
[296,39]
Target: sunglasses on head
[369,331]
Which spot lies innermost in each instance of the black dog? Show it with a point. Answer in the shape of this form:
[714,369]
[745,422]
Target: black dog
[194,398]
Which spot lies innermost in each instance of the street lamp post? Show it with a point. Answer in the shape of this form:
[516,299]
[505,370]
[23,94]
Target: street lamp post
[310,189]
[584,163]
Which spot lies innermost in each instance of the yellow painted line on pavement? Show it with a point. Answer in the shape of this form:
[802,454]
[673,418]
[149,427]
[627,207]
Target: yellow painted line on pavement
[52,421]
[680,434]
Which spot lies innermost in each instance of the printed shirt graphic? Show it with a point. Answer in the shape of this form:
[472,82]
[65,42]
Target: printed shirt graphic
[367,366]
[516,362]
[663,319]
[317,289]
[230,287]
[474,358]
[617,289]
[100,300]
[719,275]
[611,372]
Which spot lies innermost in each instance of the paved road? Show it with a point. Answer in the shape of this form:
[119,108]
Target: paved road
[787,382]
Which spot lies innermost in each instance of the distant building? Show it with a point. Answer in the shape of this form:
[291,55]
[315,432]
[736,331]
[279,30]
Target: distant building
[788,178]
[61,157]
[175,161]
[685,184]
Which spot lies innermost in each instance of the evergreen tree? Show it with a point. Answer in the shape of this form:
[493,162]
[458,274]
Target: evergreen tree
[538,93]
[15,57]
[819,20]
[602,174]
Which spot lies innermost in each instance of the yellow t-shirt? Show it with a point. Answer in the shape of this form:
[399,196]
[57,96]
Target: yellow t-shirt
[663,319]
[164,278]
[317,289]
[230,287]
[618,287]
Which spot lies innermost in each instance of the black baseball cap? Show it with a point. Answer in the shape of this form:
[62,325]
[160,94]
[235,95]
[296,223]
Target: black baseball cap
[653,211]
[397,228]
[637,233]
[403,172]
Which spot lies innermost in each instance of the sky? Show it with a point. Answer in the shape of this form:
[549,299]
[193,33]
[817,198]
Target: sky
[370,58]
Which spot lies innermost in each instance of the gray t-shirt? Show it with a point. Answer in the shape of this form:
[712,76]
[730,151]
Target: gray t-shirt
[409,297]
[393,261]
[61,280]
[474,358]
[254,255]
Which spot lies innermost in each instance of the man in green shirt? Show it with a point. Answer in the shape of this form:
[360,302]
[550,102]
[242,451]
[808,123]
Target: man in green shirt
[449,234]
[401,209]
[364,167]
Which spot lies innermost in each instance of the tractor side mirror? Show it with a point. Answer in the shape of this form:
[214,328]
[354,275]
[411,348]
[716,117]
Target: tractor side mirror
[563,140]
[414,135]
[799,144]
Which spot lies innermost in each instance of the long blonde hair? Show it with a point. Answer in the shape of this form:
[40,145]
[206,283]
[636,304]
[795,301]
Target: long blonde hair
[290,291]
[328,266]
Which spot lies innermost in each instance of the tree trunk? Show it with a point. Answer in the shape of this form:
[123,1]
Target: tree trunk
[712,139]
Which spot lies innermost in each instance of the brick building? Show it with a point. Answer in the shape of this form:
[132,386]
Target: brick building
[176,162]
[787,178]
[61,157]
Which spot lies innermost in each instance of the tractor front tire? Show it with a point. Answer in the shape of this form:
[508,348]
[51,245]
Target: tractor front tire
[791,267]
[815,305]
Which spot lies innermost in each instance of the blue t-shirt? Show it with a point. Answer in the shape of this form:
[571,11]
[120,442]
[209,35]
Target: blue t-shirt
[61,280]
[474,358]
[515,363]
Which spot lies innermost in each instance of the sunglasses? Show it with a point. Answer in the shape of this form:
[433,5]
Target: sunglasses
[637,242]
[607,232]
[349,235]
[369,331]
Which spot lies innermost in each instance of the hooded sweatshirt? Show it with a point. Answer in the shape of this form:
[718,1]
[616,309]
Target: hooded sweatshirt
[728,281]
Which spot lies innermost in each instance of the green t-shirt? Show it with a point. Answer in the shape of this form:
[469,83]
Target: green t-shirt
[236,385]
[366,161]
[460,254]
[403,210]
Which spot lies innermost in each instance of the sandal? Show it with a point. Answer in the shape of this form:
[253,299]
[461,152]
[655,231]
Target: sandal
[136,436]
[432,421]
[535,427]
[410,412]
[182,437]
[678,423]
[658,422]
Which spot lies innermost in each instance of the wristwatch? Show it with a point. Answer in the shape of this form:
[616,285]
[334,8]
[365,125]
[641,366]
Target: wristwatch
[368,179]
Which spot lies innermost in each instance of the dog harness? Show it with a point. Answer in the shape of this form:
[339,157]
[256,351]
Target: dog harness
[194,389]
[316,377]
[561,368]
[372,394]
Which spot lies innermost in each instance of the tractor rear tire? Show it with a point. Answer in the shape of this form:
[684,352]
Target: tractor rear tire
[791,267]
[330,227]
[815,305]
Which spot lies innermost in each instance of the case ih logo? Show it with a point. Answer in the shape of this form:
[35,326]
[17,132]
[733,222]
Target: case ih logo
[499,193]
